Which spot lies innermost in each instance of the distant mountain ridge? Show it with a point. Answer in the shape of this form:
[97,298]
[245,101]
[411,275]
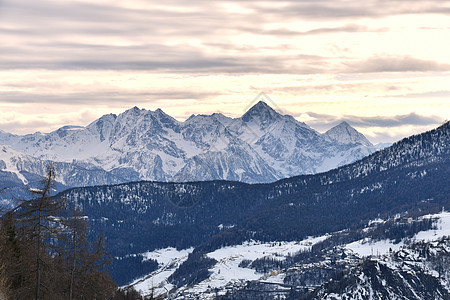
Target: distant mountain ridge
[345,134]
[260,146]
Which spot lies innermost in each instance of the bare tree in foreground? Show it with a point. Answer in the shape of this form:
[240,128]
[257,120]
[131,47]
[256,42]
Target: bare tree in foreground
[45,252]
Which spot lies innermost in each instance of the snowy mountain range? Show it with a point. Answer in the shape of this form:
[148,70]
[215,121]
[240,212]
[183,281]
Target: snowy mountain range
[260,146]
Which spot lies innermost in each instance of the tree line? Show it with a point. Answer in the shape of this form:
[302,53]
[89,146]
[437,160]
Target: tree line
[45,252]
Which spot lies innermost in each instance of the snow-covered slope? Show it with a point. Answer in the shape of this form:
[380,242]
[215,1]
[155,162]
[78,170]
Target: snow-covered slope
[232,268]
[345,134]
[416,268]
[405,278]
[18,169]
[169,259]
[260,146]
[410,269]
[369,247]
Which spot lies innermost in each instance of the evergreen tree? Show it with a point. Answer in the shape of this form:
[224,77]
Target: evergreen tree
[45,252]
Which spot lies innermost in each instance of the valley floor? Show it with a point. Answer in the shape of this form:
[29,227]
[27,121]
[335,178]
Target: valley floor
[278,267]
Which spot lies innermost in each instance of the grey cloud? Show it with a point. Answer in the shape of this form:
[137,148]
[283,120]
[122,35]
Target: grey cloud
[326,117]
[100,97]
[86,56]
[377,121]
[269,65]
[324,88]
[202,12]
[45,26]
[349,28]
[50,11]
[207,18]
[154,57]
[326,10]
[55,21]
[25,126]
[394,64]
[58,21]
[431,94]
[399,120]
[73,12]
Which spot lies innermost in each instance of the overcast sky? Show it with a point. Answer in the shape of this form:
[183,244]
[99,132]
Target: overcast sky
[381,65]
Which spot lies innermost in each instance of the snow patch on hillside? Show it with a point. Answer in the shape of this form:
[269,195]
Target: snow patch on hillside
[442,224]
[10,159]
[169,259]
[367,247]
[226,271]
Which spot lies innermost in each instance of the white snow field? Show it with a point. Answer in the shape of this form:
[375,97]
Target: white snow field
[226,272]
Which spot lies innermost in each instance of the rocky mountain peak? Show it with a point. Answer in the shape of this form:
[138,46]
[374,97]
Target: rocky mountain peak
[164,118]
[344,133]
[261,111]
[344,124]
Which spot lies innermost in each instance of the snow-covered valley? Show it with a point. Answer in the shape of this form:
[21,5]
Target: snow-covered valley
[234,267]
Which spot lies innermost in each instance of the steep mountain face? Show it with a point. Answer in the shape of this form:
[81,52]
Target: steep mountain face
[412,175]
[260,146]
[288,145]
[18,169]
[345,134]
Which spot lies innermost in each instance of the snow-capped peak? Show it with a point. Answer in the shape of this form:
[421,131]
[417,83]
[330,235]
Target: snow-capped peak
[135,109]
[260,111]
[345,134]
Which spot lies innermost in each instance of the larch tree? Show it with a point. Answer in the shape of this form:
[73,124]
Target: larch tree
[40,224]
[46,251]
